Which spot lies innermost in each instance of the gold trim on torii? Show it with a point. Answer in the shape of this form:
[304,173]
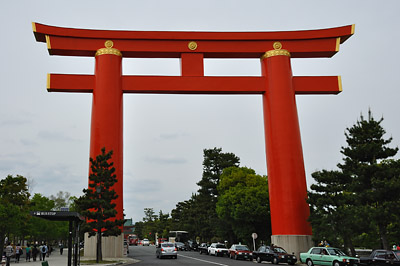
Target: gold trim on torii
[277,51]
[108,50]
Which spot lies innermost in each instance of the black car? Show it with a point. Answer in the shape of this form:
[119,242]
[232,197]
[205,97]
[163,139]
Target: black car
[181,246]
[192,245]
[274,254]
[380,257]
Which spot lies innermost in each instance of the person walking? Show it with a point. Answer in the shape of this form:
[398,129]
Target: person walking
[9,253]
[18,251]
[34,252]
[40,251]
[61,248]
[44,250]
[28,252]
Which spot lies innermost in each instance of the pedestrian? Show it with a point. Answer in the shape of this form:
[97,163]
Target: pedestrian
[18,252]
[9,253]
[61,248]
[28,252]
[34,252]
[40,251]
[44,250]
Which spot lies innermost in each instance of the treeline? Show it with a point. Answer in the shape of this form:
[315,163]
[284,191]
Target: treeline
[231,203]
[357,205]
[16,223]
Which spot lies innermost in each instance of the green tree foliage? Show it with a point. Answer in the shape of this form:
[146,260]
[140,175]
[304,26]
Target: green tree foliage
[185,216]
[41,229]
[243,203]
[153,225]
[14,200]
[333,212]
[97,202]
[375,179]
[215,161]
[62,199]
[362,199]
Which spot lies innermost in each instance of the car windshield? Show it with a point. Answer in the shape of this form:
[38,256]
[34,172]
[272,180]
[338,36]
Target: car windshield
[220,246]
[397,253]
[242,248]
[336,252]
[280,250]
[167,245]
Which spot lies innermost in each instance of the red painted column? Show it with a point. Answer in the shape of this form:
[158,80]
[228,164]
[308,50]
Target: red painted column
[107,113]
[286,174]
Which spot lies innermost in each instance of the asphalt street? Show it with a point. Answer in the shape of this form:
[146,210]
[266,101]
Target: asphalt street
[147,256]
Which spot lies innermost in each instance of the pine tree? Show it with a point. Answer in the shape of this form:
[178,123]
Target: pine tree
[361,198]
[373,176]
[215,161]
[97,202]
[333,213]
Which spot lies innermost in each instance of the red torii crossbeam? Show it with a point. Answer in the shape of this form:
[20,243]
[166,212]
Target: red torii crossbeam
[277,85]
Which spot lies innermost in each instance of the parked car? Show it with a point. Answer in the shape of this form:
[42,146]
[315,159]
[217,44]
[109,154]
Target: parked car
[381,257]
[327,256]
[203,248]
[274,254]
[146,242]
[181,246]
[238,251]
[217,249]
[166,249]
[192,245]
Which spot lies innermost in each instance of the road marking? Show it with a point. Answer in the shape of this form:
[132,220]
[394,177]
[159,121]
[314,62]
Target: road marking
[211,262]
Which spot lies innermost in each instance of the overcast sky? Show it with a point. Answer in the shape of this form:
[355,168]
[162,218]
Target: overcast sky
[45,136]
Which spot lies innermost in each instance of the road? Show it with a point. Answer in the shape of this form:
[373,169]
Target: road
[147,256]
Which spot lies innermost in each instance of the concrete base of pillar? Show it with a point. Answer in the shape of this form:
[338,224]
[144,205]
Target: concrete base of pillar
[111,247]
[293,243]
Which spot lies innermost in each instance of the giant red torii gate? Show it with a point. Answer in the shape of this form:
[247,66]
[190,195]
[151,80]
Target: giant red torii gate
[286,174]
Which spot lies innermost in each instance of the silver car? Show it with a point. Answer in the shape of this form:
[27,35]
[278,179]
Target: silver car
[166,249]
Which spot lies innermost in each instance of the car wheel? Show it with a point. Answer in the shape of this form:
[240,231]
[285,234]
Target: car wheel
[259,259]
[309,262]
[336,263]
[175,257]
[275,261]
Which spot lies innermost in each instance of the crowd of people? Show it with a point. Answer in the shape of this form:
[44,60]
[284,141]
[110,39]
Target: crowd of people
[31,252]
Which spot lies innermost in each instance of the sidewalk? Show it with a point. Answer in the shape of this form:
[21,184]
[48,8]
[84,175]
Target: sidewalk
[55,259]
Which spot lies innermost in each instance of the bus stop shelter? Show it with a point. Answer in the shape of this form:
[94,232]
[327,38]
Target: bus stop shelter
[73,218]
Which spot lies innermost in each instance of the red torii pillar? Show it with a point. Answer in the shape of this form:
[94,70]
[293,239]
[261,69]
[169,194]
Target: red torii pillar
[284,153]
[107,114]
[286,175]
